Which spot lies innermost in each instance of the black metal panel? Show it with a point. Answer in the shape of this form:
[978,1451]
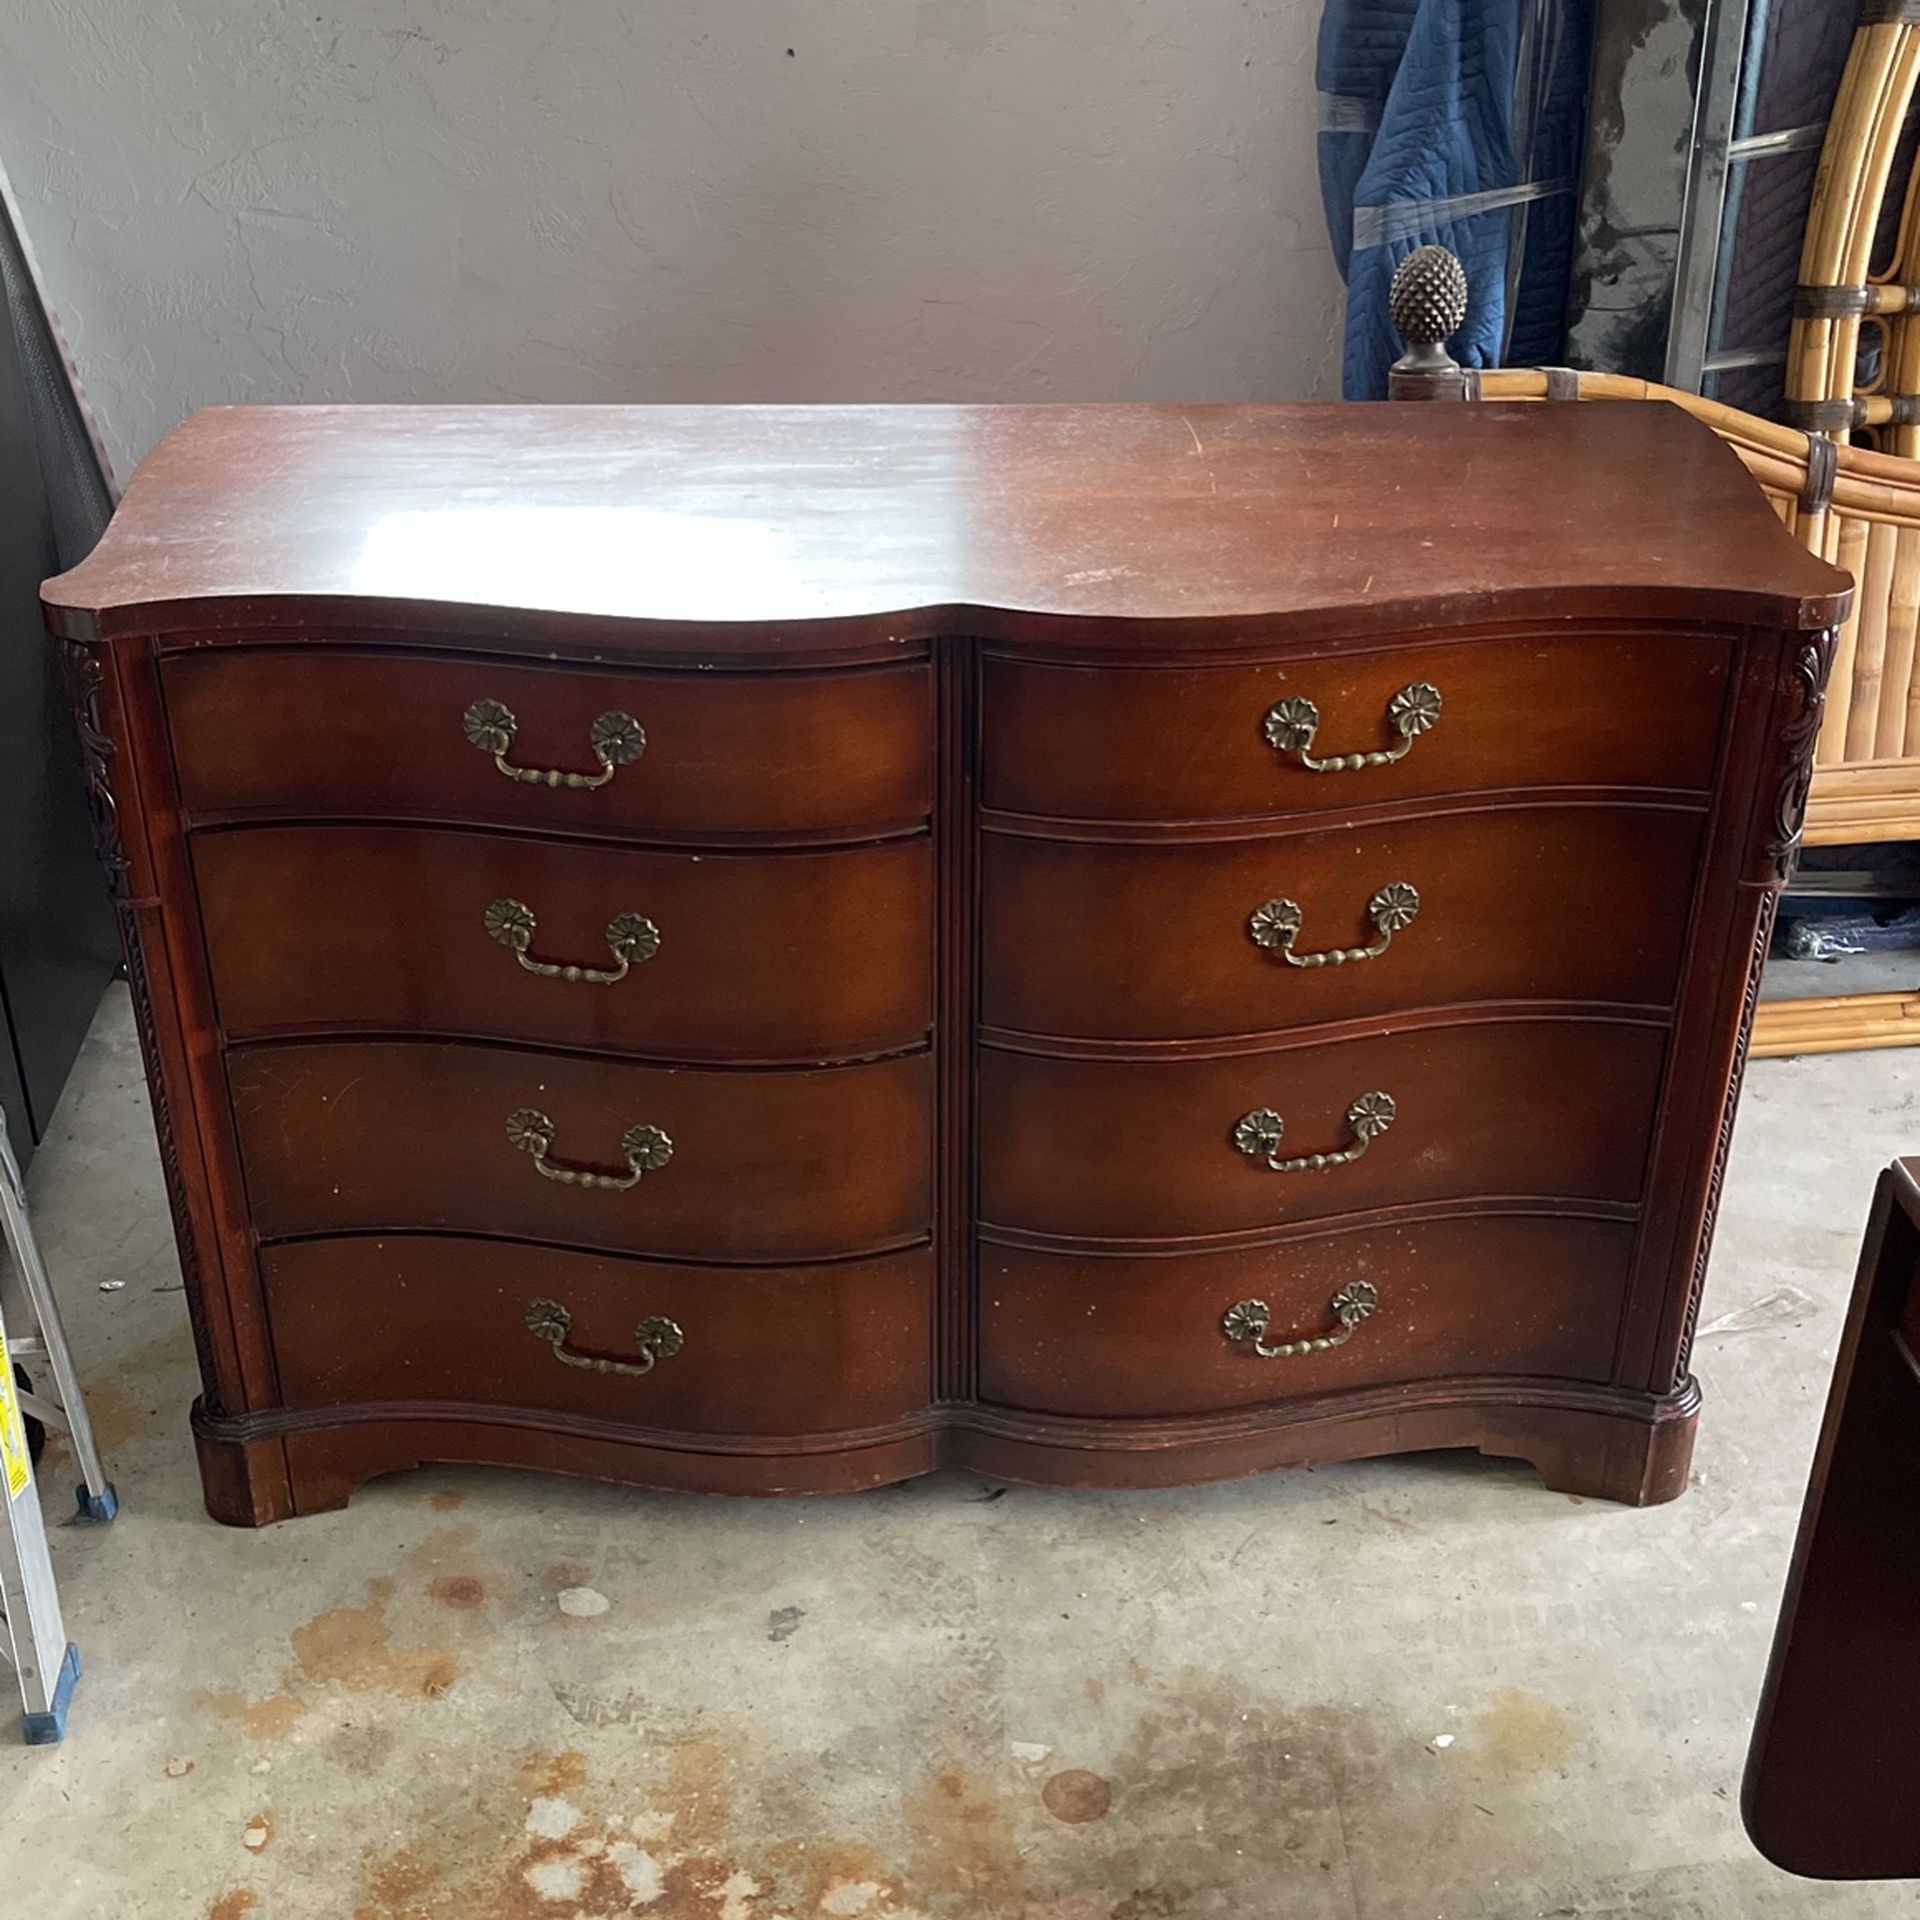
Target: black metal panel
[58,943]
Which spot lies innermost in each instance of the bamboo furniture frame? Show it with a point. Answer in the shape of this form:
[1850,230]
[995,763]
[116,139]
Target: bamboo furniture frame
[1855,505]
[1860,509]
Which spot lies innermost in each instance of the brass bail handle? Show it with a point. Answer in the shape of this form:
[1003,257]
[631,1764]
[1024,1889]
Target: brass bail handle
[1274,926]
[631,938]
[616,740]
[1290,725]
[1248,1321]
[656,1338]
[645,1149]
[1258,1135]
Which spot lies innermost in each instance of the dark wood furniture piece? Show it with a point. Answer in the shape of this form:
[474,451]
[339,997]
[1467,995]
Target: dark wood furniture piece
[1831,1787]
[769,949]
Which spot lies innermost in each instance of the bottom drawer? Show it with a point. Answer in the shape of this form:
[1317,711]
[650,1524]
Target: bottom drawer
[777,1350]
[1095,1335]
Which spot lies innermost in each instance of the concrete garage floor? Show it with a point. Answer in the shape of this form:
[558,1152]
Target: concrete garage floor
[1397,1689]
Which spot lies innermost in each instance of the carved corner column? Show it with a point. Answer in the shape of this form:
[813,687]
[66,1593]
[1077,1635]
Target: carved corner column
[1799,707]
[91,673]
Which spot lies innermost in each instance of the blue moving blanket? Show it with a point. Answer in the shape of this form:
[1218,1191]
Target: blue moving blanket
[1461,122]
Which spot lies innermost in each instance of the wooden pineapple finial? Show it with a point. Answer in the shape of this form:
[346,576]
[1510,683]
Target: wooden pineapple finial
[1428,305]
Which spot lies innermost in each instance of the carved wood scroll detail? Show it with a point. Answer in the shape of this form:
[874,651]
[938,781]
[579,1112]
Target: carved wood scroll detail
[82,669]
[1800,735]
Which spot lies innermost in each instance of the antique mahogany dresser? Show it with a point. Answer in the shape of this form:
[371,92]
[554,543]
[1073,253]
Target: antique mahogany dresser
[770,949]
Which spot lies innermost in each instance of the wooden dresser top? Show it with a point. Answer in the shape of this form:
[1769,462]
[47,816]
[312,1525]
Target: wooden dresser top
[893,523]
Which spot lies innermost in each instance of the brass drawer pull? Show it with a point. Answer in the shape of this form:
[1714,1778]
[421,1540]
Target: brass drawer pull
[1249,1320]
[1291,725]
[1275,925]
[656,1337]
[1258,1135]
[631,937]
[646,1150]
[617,740]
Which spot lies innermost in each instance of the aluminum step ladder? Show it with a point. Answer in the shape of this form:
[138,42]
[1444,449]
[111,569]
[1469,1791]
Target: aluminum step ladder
[45,1661]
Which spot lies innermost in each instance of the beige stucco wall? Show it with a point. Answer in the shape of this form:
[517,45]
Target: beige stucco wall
[671,199]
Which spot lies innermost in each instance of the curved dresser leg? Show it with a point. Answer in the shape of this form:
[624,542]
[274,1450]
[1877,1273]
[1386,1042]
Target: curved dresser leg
[1640,1458]
[243,1480]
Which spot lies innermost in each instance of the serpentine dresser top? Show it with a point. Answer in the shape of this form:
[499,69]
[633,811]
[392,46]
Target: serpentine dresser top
[769,949]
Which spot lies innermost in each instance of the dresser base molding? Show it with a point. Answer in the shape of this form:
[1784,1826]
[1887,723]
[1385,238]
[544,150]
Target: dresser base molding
[1606,1443]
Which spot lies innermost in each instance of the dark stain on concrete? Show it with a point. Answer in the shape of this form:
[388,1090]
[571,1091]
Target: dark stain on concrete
[1076,1797]
[459,1592]
[362,1746]
[784,1622]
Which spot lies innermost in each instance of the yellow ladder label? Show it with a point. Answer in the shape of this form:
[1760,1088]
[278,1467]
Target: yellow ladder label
[15,1461]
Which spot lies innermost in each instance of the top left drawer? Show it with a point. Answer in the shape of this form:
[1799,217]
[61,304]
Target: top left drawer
[336,731]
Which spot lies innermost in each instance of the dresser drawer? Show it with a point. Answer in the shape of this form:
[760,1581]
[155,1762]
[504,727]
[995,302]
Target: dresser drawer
[1191,743]
[796,955]
[341,1137]
[1103,1150]
[334,730]
[783,1350]
[1099,1336]
[1158,940]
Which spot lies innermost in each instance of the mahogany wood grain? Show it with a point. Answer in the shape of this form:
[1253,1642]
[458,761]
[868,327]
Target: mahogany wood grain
[1105,1337]
[794,955]
[1120,1150]
[1149,940]
[1830,1785]
[342,1137]
[271,650]
[1535,709]
[319,732]
[774,530]
[767,1350]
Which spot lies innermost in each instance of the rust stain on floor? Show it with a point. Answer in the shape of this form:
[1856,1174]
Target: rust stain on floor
[446,1500]
[234,1905]
[459,1592]
[1225,1799]
[272,1717]
[548,1843]
[115,1416]
[832,1880]
[1518,1736]
[960,1839]
[353,1647]
[1077,1796]
[697,1794]
[554,1772]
